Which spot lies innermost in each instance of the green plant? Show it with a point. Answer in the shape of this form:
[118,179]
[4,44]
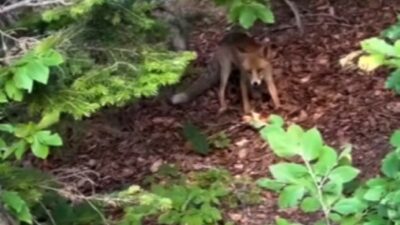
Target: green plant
[93,54]
[316,183]
[202,144]
[383,51]
[246,13]
[220,140]
[320,181]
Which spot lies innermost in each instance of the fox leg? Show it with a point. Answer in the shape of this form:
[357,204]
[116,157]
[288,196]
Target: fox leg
[226,67]
[269,80]
[245,94]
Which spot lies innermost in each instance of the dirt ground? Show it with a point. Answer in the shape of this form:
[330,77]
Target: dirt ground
[347,106]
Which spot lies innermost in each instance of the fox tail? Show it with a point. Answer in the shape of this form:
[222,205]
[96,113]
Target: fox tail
[203,83]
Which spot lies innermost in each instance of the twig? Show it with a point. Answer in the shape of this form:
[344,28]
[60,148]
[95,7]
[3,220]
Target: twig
[30,3]
[297,16]
[53,222]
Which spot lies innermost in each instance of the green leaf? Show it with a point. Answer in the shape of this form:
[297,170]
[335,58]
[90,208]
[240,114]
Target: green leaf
[196,138]
[391,165]
[310,204]
[264,13]
[21,78]
[281,221]
[275,120]
[52,58]
[6,127]
[38,71]
[348,206]
[326,161]
[393,32]
[311,144]
[3,97]
[395,139]
[333,188]
[17,204]
[270,184]
[371,62]
[393,82]
[343,174]
[280,142]
[12,91]
[247,16]
[19,148]
[290,196]
[378,46]
[375,193]
[288,172]
[49,119]
[39,150]
[46,138]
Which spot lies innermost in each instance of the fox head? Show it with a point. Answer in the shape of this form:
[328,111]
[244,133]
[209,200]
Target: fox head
[254,62]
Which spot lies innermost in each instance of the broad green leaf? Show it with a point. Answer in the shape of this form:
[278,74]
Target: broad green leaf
[194,219]
[280,142]
[19,148]
[378,46]
[21,78]
[395,139]
[288,172]
[310,204]
[371,62]
[391,165]
[295,133]
[375,193]
[12,91]
[39,150]
[333,188]
[275,120]
[270,184]
[311,144]
[6,127]
[38,71]
[196,138]
[264,13]
[247,17]
[49,119]
[46,138]
[281,221]
[3,97]
[17,204]
[24,130]
[235,10]
[335,217]
[393,82]
[352,219]
[326,161]
[348,206]
[377,182]
[290,196]
[52,58]
[343,174]
[393,32]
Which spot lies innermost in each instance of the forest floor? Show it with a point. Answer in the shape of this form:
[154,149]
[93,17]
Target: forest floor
[346,106]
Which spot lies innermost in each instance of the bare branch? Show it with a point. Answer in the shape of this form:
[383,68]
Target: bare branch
[31,3]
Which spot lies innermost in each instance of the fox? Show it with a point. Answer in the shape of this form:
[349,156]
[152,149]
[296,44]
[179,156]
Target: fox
[236,50]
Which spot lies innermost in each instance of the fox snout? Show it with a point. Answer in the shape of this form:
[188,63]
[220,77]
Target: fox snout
[255,82]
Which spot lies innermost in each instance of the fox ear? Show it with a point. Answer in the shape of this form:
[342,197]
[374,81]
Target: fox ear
[241,52]
[263,51]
